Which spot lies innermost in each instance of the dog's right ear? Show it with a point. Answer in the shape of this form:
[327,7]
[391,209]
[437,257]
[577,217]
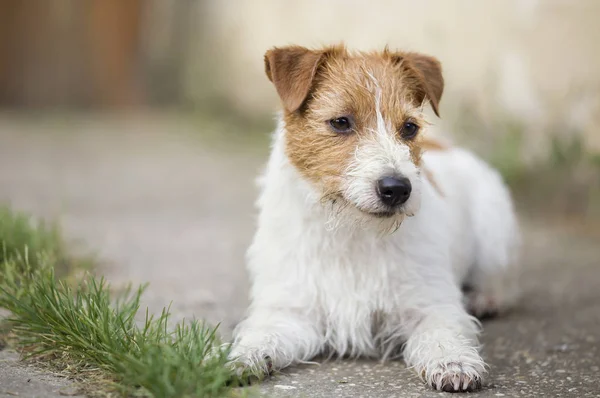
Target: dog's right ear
[292,70]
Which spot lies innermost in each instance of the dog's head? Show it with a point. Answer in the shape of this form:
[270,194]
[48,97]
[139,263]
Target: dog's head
[354,124]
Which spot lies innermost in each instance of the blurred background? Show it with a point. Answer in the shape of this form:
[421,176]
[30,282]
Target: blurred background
[522,76]
[141,125]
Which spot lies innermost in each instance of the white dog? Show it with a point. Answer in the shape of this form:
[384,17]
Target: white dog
[364,240]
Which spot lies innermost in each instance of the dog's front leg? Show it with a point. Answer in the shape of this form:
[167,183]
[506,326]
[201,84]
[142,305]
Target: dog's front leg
[272,339]
[443,348]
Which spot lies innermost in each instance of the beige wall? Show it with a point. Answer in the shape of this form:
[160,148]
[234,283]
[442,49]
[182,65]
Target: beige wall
[535,60]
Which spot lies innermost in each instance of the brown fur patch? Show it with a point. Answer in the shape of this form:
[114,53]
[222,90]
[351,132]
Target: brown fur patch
[317,86]
[431,144]
[429,71]
[429,175]
[292,70]
[319,155]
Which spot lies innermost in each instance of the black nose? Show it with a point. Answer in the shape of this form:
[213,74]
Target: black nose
[394,191]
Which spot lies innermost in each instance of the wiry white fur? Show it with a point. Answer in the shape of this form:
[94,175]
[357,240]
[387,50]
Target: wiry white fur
[350,291]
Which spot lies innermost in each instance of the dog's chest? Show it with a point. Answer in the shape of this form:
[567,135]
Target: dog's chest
[353,274]
[357,286]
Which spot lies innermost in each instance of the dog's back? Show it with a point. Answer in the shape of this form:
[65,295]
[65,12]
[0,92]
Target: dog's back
[481,200]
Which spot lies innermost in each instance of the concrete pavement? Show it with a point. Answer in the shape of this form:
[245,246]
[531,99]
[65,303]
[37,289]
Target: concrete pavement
[159,205]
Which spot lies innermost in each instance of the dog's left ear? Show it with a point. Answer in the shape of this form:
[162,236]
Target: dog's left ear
[292,70]
[428,72]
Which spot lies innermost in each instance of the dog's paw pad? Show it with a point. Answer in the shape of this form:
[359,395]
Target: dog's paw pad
[454,377]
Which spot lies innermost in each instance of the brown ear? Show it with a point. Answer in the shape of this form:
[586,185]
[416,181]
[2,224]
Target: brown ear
[429,73]
[292,70]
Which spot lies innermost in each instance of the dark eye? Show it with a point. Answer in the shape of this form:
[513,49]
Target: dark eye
[409,130]
[341,125]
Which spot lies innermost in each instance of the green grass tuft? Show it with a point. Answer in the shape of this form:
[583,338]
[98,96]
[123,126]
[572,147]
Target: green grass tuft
[19,235]
[80,329]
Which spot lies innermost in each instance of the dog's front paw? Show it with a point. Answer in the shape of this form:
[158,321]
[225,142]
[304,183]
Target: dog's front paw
[249,366]
[454,375]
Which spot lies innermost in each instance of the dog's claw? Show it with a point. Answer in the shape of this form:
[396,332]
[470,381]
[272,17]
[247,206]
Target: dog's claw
[269,363]
[246,375]
[454,377]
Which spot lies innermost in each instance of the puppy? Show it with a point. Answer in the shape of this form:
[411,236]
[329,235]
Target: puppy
[365,239]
